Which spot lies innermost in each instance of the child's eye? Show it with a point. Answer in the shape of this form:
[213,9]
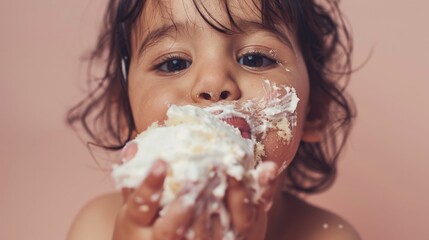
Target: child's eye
[173,64]
[255,60]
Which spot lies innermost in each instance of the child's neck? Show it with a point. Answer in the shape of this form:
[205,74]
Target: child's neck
[284,210]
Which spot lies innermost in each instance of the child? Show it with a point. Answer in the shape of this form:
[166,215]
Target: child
[200,53]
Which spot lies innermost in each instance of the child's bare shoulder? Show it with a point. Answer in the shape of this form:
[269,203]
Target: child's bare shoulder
[97,218]
[303,221]
[328,225]
[309,222]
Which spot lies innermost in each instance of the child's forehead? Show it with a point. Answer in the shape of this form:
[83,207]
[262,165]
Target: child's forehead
[160,18]
[158,13]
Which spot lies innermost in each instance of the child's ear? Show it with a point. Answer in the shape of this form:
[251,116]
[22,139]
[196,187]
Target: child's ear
[316,117]
[313,130]
[315,123]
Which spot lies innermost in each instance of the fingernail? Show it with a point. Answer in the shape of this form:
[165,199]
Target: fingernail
[187,200]
[138,200]
[159,168]
[128,152]
[144,208]
[190,234]
[155,197]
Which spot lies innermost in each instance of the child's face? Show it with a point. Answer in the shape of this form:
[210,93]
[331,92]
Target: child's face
[192,63]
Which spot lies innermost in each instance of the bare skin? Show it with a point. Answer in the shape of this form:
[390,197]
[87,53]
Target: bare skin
[297,220]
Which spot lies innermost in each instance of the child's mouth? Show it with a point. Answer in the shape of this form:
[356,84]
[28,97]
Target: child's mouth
[241,124]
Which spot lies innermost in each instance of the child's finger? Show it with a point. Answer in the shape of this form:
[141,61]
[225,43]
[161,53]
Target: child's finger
[243,212]
[142,205]
[199,226]
[126,192]
[267,180]
[174,224]
[128,152]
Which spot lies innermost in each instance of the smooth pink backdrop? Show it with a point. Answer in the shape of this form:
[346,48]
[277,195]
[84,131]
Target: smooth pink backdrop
[46,173]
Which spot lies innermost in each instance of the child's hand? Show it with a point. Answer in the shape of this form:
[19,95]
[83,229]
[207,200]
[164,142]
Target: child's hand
[249,220]
[138,217]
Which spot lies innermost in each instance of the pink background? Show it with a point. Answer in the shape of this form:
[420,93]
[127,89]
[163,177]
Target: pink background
[47,174]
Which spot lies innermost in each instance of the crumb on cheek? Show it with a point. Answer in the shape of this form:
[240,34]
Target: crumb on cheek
[284,130]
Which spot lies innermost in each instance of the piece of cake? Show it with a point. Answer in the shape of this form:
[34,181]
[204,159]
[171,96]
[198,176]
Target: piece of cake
[196,145]
[203,146]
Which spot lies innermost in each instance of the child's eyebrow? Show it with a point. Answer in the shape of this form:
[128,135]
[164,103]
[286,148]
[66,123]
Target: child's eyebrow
[251,26]
[244,26]
[158,34]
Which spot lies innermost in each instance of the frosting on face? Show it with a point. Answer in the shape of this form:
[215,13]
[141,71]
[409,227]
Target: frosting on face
[276,111]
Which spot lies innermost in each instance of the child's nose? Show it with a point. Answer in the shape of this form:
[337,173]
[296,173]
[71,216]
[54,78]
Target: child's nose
[215,84]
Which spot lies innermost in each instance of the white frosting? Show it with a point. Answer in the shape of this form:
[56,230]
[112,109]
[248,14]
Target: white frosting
[194,143]
[201,150]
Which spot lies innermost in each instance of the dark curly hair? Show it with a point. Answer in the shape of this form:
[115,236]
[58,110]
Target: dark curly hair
[326,46]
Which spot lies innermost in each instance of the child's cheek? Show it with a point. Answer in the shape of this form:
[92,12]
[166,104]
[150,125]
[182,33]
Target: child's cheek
[279,150]
[150,107]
